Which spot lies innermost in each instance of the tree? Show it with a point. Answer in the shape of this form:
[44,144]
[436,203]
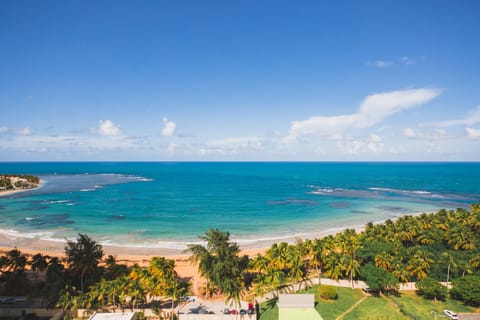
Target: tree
[467,289]
[83,256]
[420,264]
[448,257]
[14,261]
[431,289]
[39,262]
[220,263]
[349,242]
[327,292]
[320,251]
[378,279]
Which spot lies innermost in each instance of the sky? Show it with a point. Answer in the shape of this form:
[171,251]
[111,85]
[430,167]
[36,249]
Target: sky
[239,80]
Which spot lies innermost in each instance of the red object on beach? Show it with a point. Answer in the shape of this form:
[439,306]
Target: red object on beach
[234,311]
[250,306]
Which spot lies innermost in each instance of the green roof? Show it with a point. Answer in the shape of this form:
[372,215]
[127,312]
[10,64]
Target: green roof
[298,313]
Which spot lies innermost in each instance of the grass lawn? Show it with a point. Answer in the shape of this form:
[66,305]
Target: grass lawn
[329,310]
[269,310]
[422,308]
[374,308]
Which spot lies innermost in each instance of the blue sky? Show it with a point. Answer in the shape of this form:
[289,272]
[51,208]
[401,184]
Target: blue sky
[243,80]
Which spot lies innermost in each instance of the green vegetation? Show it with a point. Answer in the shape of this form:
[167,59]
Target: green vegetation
[379,280]
[411,304]
[13,181]
[443,245]
[327,292]
[407,305]
[376,308]
[220,264]
[467,289]
[331,309]
[426,249]
[431,289]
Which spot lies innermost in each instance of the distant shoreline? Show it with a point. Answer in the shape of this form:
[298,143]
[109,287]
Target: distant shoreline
[4,193]
[26,182]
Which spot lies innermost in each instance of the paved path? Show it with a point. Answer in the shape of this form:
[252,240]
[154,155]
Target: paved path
[351,308]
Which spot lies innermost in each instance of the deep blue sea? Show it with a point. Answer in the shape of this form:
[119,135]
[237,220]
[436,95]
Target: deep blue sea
[167,204]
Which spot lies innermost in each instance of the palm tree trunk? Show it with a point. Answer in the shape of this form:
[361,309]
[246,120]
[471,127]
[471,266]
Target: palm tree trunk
[81,281]
[448,273]
[319,276]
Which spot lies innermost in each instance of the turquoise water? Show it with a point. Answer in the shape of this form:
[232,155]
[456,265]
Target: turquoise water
[169,204]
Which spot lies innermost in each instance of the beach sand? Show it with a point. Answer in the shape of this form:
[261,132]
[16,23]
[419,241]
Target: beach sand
[130,255]
[124,255]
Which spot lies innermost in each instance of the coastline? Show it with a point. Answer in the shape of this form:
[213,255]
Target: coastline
[140,252]
[6,193]
[141,255]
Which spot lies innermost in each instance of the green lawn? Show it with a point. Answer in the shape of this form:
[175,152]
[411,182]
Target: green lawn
[422,308]
[269,310]
[329,310]
[374,308]
[414,307]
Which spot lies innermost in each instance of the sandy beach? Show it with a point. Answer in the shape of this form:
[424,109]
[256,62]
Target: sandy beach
[124,255]
[141,255]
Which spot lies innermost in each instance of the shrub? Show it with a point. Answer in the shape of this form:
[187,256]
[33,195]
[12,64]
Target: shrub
[327,292]
[467,289]
[431,289]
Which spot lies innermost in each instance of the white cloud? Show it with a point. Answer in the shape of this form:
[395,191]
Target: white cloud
[24,131]
[3,129]
[232,145]
[406,60]
[168,128]
[472,133]
[409,133]
[375,138]
[423,135]
[108,128]
[372,144]
[379,63]
[471,119]
[172,147]
[373,109]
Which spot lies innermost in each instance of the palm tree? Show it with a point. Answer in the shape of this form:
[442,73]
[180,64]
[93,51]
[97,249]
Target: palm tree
[450,261]
[278,255]
[349,242]
[220,263]
[15,261]
[420,264]
[83,256]
[321,250]
[461,238]
[384,260]
[295,265]
[39,262]
[475,261]
[400,272]
[203,259]
[333,267]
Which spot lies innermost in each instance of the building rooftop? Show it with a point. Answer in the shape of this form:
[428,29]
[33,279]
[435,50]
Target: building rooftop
[113,316]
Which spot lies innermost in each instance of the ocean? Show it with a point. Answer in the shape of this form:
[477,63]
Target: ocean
[169,204]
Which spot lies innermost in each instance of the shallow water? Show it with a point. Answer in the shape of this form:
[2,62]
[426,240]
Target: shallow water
[170,204]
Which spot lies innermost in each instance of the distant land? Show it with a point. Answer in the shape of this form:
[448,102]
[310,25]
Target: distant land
[14,182]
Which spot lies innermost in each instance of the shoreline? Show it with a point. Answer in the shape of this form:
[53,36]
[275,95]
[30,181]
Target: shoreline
[145,251]
[131,255]
[56,247]
[6,193]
